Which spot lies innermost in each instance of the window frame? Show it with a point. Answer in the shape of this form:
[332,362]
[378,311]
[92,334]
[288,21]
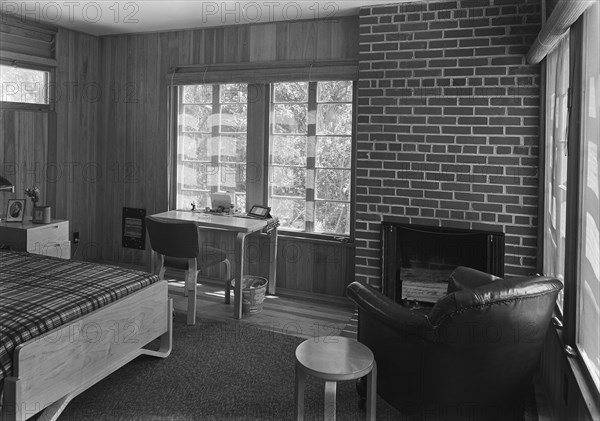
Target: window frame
[28,105]
[311,162]
[257,149]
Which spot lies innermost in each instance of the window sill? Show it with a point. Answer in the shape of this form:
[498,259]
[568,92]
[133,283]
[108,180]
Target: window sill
[578,370]
[315,238]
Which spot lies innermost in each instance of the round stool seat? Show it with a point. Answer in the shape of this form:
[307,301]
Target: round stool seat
[334,358]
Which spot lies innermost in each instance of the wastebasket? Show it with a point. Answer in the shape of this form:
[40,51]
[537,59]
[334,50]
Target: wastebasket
[254,289]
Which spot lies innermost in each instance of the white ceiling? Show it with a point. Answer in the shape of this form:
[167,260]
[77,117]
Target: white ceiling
[106,17]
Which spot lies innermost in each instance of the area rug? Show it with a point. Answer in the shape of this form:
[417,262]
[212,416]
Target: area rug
[217,371]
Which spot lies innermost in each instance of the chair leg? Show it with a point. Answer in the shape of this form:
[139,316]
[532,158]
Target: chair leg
[227,281]
[191,285]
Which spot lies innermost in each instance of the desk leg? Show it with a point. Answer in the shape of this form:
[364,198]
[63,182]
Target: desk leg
[273,261]
[238,275]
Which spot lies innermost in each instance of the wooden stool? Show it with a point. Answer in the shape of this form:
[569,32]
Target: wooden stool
[333,359]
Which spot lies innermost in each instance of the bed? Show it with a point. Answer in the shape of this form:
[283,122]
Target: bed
[65,325]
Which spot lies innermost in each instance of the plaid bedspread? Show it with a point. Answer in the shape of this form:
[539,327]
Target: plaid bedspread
[38,294]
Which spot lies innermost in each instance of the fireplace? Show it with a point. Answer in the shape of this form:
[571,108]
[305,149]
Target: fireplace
[418,259]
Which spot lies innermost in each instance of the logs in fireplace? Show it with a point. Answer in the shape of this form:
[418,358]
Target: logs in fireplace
[417,259]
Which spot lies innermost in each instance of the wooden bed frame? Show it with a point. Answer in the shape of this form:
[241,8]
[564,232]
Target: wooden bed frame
[49,371]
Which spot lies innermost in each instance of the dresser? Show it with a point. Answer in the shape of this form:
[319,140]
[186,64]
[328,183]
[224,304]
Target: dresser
[46,239]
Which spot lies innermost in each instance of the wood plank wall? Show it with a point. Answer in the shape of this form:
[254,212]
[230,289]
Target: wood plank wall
[74,170]
[132,130]
[23,154]
[56,150]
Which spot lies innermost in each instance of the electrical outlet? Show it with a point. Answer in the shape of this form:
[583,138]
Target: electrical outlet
[76,238]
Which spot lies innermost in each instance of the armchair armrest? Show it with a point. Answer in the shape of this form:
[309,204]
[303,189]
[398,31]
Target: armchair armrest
[389,312]
[464,278]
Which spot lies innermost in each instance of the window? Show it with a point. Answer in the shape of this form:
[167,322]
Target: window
[588,293]
[286,144]
[211,144]
[310,155]
[572,223]
[23,85]
[557,87]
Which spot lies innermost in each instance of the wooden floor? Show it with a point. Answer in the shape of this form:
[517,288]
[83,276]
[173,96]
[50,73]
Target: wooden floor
[288,315]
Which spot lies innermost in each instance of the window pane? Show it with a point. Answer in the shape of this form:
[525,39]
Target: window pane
[333,217]
[193,175]
[200,198]
[19,84]
[334,119]
[197,94]
[290,92]
[289,211]
[334,151]
[290,118]
[588,295]
[212,143]
[235,92]
[233,118]
[288,181]
[233,148]
[232,178]
[194,147]
[334,91]
[288,150]
[333,184]
[196,118]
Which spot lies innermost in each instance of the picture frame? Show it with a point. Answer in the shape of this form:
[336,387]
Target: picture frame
[15,210]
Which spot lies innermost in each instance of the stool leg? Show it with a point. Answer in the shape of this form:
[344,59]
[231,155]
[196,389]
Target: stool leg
[330,401]
[300,385]
[372,393]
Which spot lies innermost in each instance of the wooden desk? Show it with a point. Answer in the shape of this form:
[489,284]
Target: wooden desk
[243,227]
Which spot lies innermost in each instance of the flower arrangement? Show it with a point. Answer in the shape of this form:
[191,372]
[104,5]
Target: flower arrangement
[34,194]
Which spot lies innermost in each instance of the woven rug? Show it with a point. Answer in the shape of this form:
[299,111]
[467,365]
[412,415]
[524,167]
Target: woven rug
[217,371]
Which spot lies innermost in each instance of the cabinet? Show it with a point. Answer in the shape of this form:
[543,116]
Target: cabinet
[46,239]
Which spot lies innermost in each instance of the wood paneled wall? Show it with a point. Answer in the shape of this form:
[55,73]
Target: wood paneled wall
[133,133]
[74,168]
[56,150]
[23,153]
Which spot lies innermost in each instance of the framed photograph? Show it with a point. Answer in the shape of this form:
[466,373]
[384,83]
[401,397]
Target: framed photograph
[15,210]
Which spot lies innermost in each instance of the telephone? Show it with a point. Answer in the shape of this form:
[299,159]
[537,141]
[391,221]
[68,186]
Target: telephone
[258,211]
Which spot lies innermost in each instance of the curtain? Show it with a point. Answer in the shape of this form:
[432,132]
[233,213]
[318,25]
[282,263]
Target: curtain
[555,182]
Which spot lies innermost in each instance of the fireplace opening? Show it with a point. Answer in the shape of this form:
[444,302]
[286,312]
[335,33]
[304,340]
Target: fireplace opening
[417,260]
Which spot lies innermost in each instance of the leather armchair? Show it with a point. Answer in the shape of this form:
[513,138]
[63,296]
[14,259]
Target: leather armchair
[470,356]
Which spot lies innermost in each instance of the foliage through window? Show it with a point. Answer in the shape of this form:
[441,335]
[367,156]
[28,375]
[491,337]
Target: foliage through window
[211,144]
[23,85]
[310,155]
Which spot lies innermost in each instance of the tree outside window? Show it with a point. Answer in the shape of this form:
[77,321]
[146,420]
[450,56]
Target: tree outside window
[310,155]
[211,144]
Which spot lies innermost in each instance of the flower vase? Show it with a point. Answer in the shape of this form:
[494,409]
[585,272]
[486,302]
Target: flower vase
[40,214]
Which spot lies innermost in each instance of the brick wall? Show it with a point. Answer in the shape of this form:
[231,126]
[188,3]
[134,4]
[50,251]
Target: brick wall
[448,125]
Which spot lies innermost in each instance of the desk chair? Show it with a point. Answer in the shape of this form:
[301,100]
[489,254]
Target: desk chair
[176,244]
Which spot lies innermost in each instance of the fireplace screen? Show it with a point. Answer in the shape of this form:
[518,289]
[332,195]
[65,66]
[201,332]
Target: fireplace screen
[417,260]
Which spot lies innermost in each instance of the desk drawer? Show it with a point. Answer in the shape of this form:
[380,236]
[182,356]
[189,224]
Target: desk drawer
[54,233]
